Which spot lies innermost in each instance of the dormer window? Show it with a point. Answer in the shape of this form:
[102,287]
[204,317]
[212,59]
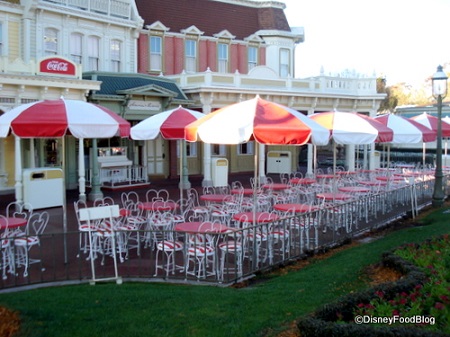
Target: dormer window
[223,57]
[252,57]
[190,53]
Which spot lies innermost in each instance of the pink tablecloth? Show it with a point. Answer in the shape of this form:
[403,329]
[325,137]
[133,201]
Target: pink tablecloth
[297,208]
[259,217]
[201,227]
[12,222]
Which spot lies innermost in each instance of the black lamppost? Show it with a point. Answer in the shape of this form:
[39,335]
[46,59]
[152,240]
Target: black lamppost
[439,88]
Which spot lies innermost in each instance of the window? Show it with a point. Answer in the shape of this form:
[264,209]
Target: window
[115,55]
[191,149]
[218,150]
[50,42]
[223,58]
[191,55]
[155,53]
[2,47]
[252,57]
[93,53]
[245,148]
[285,64]
[76,47]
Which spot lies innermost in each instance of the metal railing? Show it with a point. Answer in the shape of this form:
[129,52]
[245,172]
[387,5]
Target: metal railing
[120,176]
[260,247]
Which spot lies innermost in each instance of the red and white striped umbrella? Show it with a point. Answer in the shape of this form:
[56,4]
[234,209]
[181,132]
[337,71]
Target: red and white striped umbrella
[257,119]
[353,128]
[406,130]
[170,124]
[56,118]
[431,122]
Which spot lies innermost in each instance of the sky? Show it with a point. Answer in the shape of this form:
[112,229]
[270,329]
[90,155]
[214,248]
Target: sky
[402,40]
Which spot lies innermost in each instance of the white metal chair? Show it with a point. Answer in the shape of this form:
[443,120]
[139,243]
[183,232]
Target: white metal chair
[7,263]
[201,252]
[35,228]
[101,217]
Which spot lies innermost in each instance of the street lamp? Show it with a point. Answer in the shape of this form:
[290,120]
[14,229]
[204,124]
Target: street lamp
[439,88]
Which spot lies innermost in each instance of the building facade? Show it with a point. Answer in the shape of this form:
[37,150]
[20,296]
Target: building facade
[224,51]
[218,52]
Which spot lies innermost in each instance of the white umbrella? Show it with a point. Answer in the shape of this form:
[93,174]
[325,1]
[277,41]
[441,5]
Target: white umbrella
[407,131]
[170,125]
[57,118]
[257,119]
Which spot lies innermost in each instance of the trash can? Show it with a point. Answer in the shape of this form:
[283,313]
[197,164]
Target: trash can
[279,162]
[376,159]
[43,187]
[219,172]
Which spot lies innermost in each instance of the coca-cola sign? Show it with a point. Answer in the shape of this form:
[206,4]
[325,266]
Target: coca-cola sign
[57,66]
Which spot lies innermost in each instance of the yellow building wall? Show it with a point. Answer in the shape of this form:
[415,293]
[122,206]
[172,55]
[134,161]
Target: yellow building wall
[13,39]
[9,160]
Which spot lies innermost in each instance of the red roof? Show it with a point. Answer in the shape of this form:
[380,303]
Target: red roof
[212,17]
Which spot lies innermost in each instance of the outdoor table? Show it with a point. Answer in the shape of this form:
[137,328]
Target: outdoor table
[214,197]
[201,227]
[260,217]
[372,182]
[296,208]
[406,166]
[276,186]
[152,206]
[344,173]
[391,178]
[303,181]
[334,196]
[12,222]
[325,176]
[245,191]
[354,189]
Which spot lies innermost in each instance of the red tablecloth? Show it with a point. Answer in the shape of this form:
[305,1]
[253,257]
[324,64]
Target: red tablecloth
[334,196]
[214,197]
[303,181]
[276,186]
[12,222]
[246,191]
[355,189]
[158,205]
[372,182]
[259,217]
[201,227]
[297,208]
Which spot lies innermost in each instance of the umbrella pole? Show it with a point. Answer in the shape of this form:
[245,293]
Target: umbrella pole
[181,146]
[18,172]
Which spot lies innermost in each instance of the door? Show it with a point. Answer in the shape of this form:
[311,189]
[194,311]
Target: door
[156,156]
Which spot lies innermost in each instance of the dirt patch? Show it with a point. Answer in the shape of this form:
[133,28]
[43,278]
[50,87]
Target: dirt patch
[9,322]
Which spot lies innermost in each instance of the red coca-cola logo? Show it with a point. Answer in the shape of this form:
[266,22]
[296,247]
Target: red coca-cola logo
[57,66]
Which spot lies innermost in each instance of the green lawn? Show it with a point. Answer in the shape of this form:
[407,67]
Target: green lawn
[264,309]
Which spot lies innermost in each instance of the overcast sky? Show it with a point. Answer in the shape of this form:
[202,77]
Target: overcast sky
[404,40]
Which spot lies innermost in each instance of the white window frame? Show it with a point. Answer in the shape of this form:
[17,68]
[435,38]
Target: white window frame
[252,57]
[2,43]
[76,47]
[245,149]
[155,53]
[115,55]
[93,53]
[51,41]
[223,56]
[190,55]
[218,150]
[285,62]
[191,150]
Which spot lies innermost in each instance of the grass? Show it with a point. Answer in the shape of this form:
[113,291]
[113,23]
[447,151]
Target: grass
[263,309]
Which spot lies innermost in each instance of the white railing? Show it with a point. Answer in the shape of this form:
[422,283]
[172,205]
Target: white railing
[118,176]
[114,8]
[323,83]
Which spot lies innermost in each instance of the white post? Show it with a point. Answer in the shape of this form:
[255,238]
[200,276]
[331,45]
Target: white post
[18,172]
[81,170]
[262,160]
